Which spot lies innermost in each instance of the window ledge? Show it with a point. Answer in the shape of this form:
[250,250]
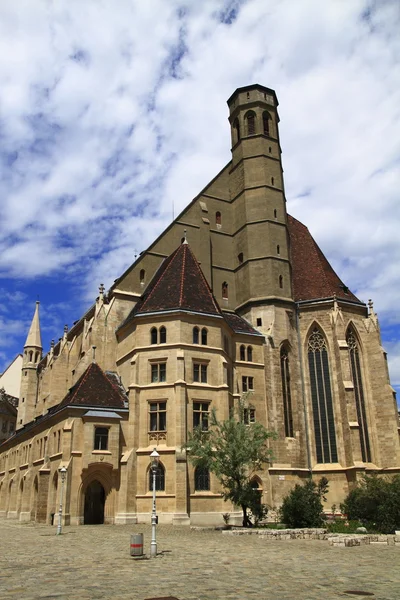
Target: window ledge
[101,452]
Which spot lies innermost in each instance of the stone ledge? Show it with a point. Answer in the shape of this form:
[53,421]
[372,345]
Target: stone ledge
[334,539]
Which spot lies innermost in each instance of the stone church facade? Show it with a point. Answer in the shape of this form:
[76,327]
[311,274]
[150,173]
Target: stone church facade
[233,301]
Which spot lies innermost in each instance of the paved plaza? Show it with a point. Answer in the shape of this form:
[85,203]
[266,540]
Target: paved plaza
[93,562]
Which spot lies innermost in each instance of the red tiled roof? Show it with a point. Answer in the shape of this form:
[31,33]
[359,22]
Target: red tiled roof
[95,388]
[313,276]
[179,284]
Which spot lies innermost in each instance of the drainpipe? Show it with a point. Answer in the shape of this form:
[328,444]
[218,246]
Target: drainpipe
[303,389]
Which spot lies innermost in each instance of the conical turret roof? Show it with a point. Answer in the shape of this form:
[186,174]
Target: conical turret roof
[179,284]
[34,338]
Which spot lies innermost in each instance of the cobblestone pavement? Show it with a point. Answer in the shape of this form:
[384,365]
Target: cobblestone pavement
[93,562]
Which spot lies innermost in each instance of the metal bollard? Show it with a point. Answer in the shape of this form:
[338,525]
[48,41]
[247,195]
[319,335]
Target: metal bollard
[137,544]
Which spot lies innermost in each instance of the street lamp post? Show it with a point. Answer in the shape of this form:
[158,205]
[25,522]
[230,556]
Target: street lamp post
[63,473]
[155,457]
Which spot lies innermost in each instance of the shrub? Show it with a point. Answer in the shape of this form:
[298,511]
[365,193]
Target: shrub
[376,503]
[302,507]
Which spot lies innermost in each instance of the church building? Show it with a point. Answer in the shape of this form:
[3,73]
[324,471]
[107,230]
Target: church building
[233,302]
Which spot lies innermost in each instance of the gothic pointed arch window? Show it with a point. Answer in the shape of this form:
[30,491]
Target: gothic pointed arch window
[356,376]
[163,335]
[266,123]
[286,392]
[196,332]
[321,395]
[160,479]
[225,290]
[201,479]
[218,218]
[236,128]
[153,335]
[242,353]
[250,120]
[249,354]
[204,336]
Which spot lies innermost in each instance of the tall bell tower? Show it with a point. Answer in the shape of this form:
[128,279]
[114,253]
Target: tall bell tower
[263,269]
[31,358]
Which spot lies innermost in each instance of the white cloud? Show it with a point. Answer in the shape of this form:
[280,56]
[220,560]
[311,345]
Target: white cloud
[114,113]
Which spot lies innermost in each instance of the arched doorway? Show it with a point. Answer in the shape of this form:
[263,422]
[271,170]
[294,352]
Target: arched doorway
[95,497]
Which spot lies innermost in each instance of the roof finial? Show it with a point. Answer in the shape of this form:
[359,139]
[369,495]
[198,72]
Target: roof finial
[101,289]
[184,237]
[94,354]
[371,306]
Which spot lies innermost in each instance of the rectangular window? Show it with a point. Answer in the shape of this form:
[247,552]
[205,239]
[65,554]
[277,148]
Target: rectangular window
[199,373]
[101,438]
[247,384]
[158,416]
[249,415]
[158,372]
[201,415]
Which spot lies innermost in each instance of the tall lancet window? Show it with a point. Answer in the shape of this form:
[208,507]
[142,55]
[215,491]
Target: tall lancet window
[355,366]
[287,398]
[321,393]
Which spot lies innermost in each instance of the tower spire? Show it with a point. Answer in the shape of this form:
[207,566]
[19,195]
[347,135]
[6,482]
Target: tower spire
[34,338]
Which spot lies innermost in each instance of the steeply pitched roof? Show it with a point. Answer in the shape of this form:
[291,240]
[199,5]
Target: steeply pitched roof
[95,388]
[179,284]
[34,339]
[239,325]
[313,276]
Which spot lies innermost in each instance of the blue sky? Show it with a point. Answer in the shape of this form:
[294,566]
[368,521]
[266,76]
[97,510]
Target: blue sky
[113,116]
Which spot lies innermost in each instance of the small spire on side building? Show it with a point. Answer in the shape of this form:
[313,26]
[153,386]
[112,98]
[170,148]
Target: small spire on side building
[34,339]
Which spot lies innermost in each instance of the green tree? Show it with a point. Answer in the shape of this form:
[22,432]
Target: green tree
[303,507]
[375,502]
[234,452]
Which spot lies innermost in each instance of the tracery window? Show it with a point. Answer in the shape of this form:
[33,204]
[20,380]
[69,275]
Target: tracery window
[321,394]
[286,393]
[355,367]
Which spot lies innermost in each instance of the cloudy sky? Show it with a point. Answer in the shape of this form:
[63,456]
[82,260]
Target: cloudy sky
[113,115]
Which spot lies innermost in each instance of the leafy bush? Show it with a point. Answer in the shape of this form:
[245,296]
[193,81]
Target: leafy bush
[376,503]
[302,507]
[343,526]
